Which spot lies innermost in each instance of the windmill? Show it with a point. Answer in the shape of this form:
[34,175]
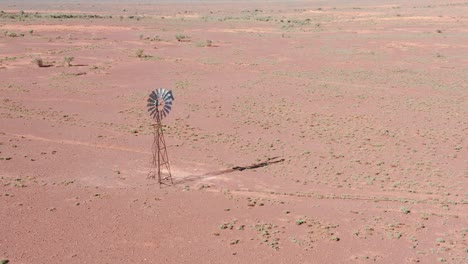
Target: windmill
[159,106]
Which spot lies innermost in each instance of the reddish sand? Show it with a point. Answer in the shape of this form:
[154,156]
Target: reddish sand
[367,105]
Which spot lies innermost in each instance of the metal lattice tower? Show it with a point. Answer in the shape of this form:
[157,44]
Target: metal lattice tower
[159,105]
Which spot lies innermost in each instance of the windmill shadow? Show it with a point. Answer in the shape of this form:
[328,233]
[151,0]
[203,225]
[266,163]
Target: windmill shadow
[192,178]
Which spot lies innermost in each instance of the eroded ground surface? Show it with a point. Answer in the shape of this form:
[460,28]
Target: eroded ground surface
[366,104]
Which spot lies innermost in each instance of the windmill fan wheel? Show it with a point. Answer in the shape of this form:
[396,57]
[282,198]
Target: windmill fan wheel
[160,103]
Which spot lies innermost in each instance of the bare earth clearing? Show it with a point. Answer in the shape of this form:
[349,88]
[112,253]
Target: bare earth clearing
[366,103]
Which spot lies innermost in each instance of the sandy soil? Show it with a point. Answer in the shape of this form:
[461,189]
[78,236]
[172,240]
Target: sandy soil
[367,105]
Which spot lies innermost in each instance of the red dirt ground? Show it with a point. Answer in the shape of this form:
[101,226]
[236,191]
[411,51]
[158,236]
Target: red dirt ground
[366,103]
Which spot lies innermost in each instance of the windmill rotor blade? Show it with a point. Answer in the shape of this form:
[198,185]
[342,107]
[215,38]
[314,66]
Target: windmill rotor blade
[172,96]
[166,95]
[153,112]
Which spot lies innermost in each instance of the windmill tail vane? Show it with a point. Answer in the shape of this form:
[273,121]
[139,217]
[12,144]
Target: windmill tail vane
[159,105]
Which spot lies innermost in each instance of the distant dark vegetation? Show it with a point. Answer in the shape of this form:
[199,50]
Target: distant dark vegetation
[23,15]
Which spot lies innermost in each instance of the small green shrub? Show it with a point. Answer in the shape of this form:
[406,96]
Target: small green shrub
[300,221]
[205,43]
[68,60]
[38,62]
[405,210]
[139,53]
[180,37]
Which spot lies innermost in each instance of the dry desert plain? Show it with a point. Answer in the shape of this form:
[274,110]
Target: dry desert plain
[363,104]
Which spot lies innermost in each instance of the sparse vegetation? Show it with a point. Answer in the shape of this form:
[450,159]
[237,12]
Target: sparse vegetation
[329,104]
[181,37]
[68,60]
[405,210]
[139,53]
[228,225]
[39,62]
[77,16]
[205,43]
[14,35]
[300,221]
[22,15]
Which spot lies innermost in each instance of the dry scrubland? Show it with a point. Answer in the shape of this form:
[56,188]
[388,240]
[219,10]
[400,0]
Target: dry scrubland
[365,102]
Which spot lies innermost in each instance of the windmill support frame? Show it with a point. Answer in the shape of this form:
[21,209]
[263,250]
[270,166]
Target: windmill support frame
[160,158]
